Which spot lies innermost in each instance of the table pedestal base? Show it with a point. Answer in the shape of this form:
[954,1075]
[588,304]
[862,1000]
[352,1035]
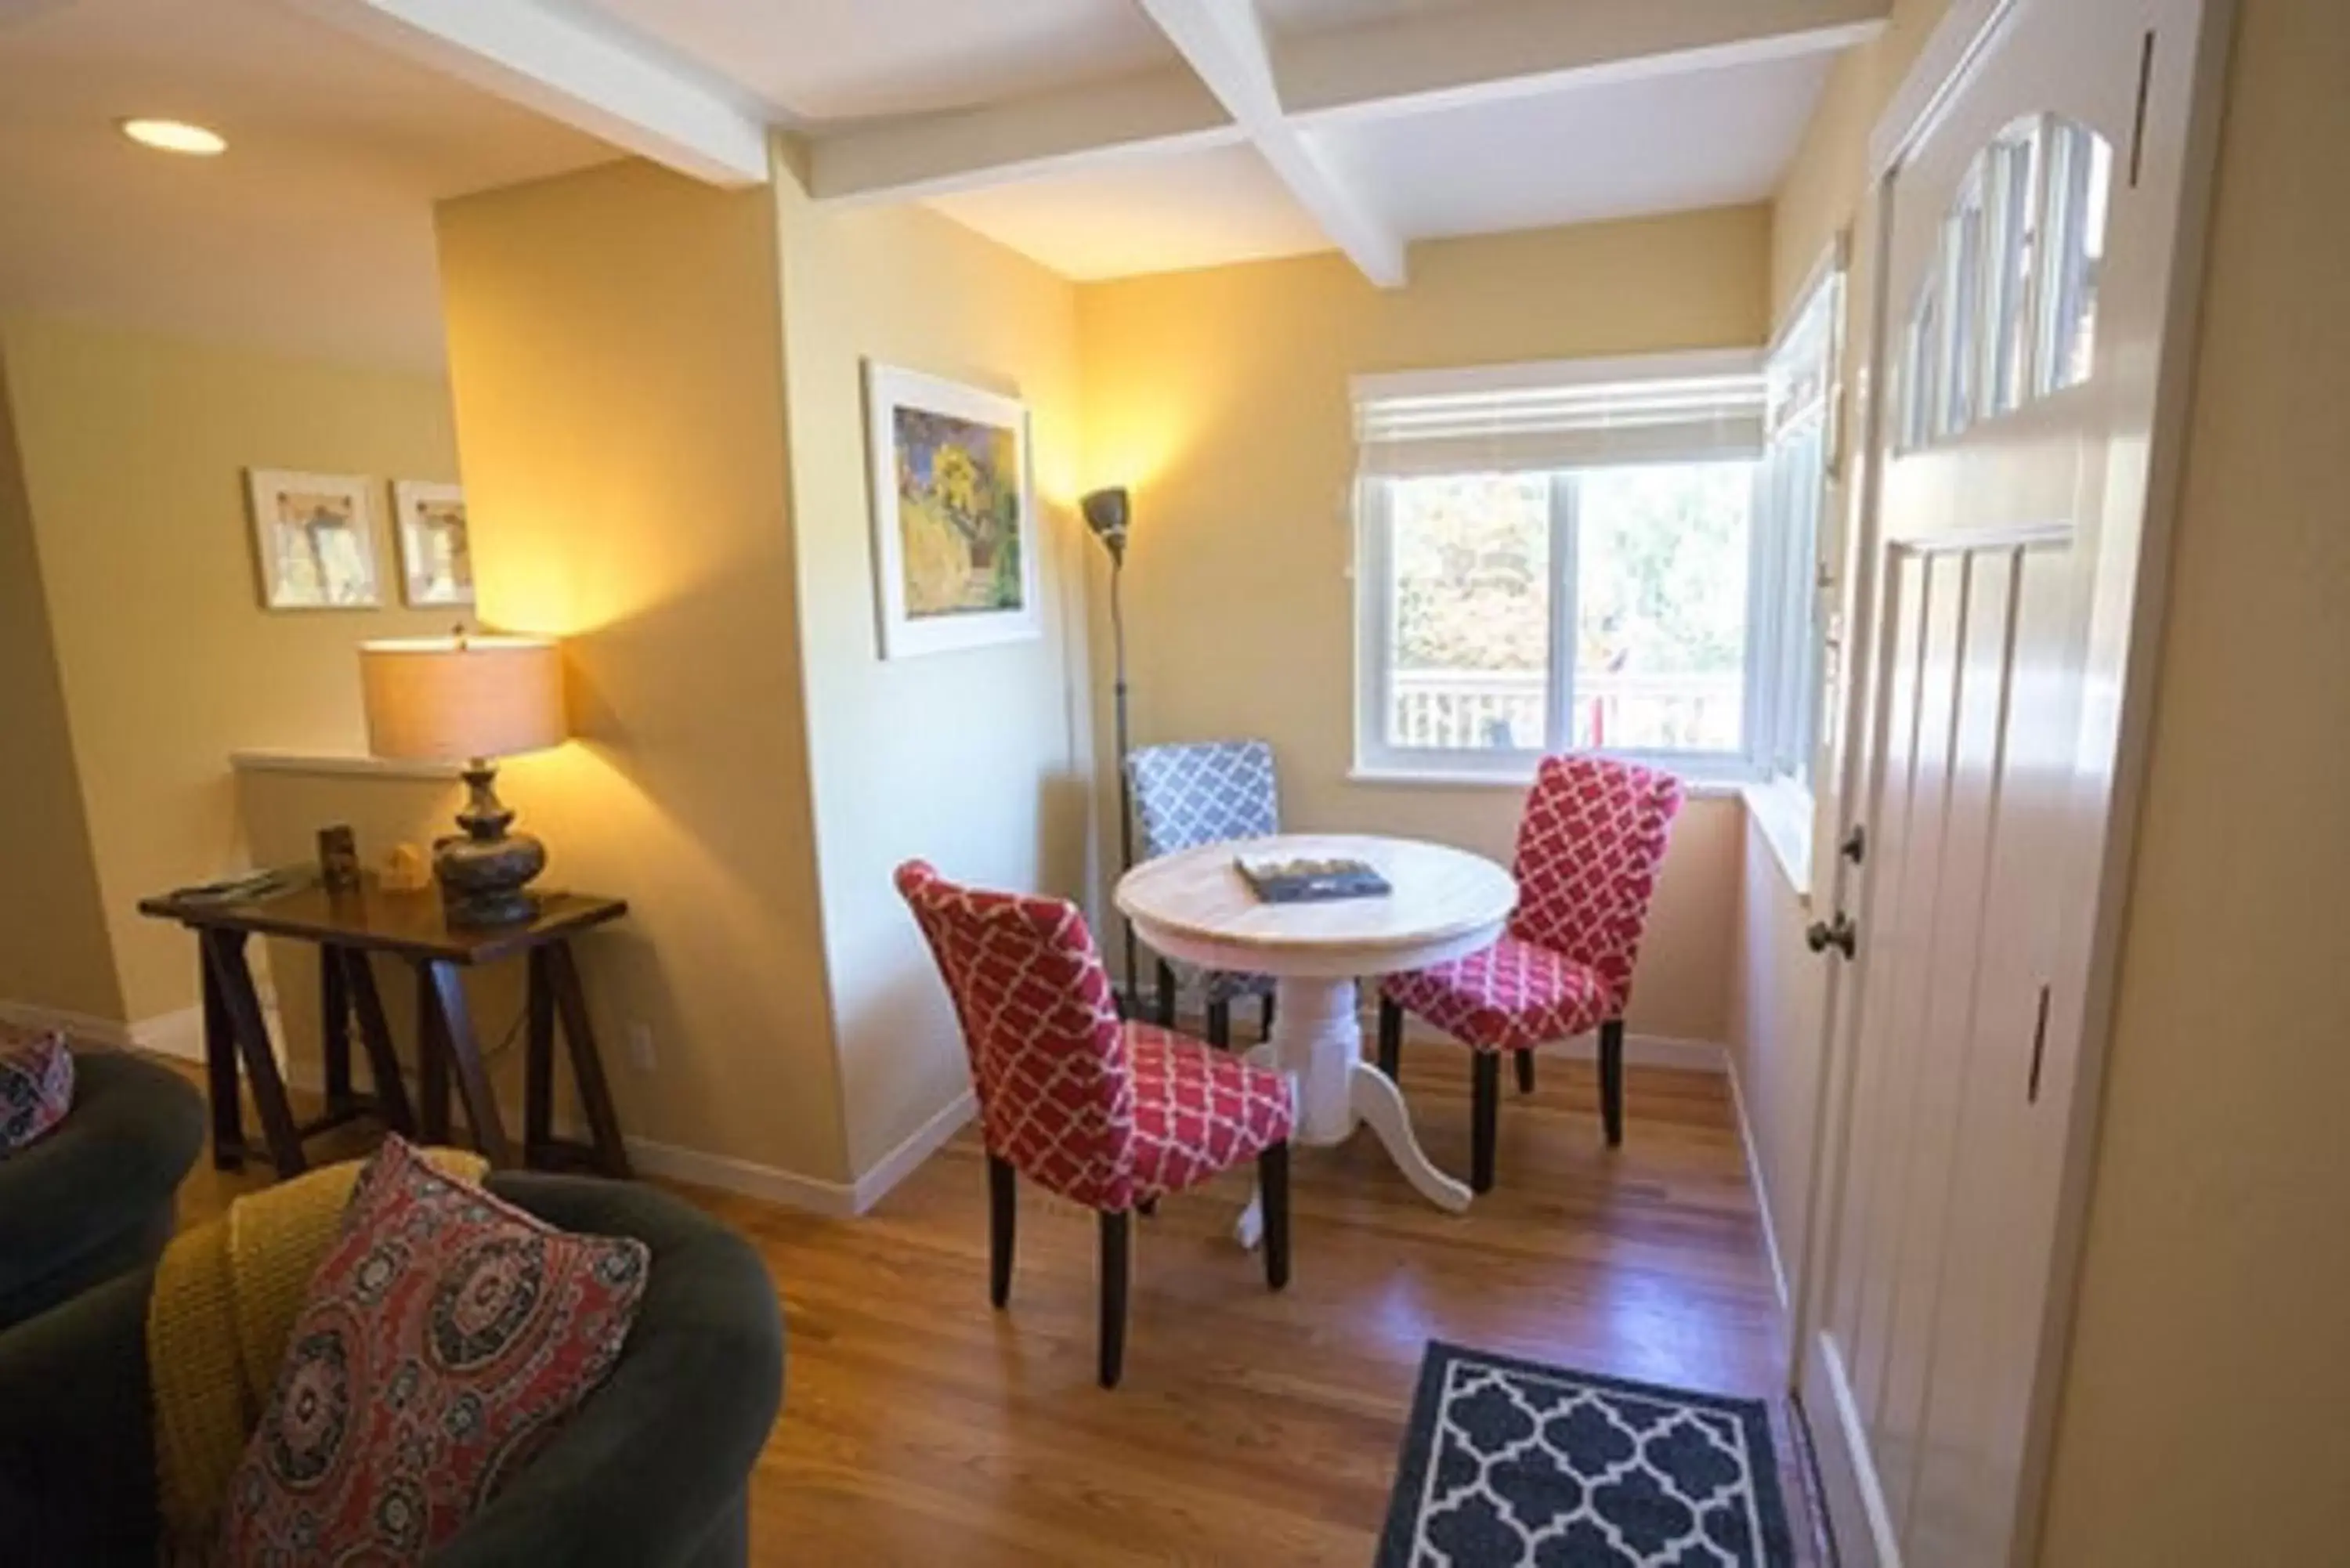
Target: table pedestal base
[1319,1040]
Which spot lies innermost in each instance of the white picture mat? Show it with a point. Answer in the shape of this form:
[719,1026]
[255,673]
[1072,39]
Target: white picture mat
[264,489]
[887,389]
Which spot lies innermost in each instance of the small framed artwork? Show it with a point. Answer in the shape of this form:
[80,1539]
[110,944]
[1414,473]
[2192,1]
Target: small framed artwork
[314,535]
[955,524]
[436,558]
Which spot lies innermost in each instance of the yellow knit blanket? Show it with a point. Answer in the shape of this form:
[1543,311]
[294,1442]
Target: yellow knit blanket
[227,1294]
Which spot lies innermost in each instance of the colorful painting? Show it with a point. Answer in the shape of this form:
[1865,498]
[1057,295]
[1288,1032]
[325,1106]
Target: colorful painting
[955,529]
[314,534]
[436,556]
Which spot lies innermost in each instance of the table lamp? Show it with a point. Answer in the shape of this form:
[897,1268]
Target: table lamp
[467,700]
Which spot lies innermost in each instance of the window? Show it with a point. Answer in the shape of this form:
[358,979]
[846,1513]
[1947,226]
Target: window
[1562,557]
[1801,376]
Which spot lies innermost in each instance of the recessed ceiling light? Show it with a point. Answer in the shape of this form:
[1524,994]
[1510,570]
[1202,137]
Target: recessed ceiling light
[175,136]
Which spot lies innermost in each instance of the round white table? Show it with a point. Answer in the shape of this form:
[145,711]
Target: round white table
[1195,906]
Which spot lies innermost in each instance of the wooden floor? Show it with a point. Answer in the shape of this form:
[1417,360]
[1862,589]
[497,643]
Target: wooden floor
[920,1427]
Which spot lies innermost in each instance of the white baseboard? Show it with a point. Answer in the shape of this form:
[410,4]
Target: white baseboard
[1762,1188]
[1648,1051]
[925,1141]
[77,1025]
[179,1034]
[835,1199]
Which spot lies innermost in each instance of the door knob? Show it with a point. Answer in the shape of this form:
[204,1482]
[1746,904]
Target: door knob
[1839,933]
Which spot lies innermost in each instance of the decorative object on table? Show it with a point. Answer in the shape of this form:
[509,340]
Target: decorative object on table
[1206,791]
[652,1467]
[955,528]
[470,700]
[1508,1462]
[314,537]
[92,1197]
[339,858]
[1589,845]
[444,1335]
[350,931]
[436,556]
[1293,879]
[405,870]
[36,1085]
[1134,1111]
[1107,513]
[242,886]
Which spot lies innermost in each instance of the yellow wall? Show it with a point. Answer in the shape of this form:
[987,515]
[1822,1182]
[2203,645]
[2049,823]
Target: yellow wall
[979,761]
[134,449]
[1220,396]
[54,952]
[2206,1415]
[616,355]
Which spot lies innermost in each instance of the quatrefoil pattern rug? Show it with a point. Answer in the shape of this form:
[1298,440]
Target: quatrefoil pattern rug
[1508,1462]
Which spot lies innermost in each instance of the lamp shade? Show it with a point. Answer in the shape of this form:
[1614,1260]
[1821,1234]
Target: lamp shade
[452,699]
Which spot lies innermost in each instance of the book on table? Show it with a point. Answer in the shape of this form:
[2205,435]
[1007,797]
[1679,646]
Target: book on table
[1304,879]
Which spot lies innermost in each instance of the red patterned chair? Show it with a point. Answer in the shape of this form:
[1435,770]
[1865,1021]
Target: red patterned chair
[1589,848]
[1109,1115]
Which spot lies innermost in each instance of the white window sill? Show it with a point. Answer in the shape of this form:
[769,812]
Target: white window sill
[1700,788]
[331,764]
[1782,811]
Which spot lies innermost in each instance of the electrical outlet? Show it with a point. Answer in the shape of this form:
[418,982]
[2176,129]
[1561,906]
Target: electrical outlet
[640,1046]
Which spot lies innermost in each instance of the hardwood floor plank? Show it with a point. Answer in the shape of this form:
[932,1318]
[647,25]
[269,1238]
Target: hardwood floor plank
[922,1427]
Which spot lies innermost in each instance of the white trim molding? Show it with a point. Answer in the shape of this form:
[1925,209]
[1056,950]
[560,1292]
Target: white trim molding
[817,1195]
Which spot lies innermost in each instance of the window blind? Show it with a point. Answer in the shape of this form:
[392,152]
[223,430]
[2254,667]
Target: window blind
[1569,414]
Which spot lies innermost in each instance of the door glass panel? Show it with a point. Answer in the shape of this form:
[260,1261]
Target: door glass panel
[2012,215]
[2079,188]
[1962,286]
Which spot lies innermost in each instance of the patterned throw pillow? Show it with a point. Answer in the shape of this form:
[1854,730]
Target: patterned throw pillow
[36,1085]
[445,1337]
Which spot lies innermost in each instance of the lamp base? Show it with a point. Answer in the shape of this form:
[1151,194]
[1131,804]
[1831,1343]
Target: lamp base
[483,871]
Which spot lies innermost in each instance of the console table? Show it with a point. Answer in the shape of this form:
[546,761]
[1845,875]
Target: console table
[346,927]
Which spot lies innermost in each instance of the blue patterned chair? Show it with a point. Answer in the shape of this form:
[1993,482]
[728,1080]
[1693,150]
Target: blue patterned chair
[1205,792]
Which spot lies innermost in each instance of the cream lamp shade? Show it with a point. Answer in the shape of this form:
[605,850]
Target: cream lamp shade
[454,698]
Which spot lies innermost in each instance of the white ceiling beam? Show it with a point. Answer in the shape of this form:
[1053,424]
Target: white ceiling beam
[1440,59]
[1224,42]
[571,70]
[919,156]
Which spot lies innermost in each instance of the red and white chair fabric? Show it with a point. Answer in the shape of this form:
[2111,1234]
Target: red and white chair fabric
[1589,845]
[1109,1114]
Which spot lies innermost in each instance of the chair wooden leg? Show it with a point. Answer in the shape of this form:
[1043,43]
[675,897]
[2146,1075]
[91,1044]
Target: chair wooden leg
[1273,1185]
[1116,1234]
[1485,1112]
[1390,1039]
[1220,1025]
[1526,1072]
[1611,1080]
[1000,1209]
[1165,996]
[1265,1032]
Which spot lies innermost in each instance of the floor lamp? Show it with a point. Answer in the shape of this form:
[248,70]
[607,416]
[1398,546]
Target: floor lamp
[1107,513]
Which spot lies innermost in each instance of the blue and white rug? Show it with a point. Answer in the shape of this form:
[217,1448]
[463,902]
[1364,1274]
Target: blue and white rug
[1508,1462]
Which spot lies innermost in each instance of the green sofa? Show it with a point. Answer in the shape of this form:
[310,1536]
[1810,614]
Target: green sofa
[93,1197]
[651,1472]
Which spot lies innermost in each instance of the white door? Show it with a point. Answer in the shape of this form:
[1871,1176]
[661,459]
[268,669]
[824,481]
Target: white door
[2029,232]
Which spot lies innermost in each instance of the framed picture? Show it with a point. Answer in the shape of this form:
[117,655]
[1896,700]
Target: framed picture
[436,560]
[314,535]
[954,526]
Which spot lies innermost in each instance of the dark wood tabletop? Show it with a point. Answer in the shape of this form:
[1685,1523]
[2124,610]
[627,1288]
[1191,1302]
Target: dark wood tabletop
[372,920]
